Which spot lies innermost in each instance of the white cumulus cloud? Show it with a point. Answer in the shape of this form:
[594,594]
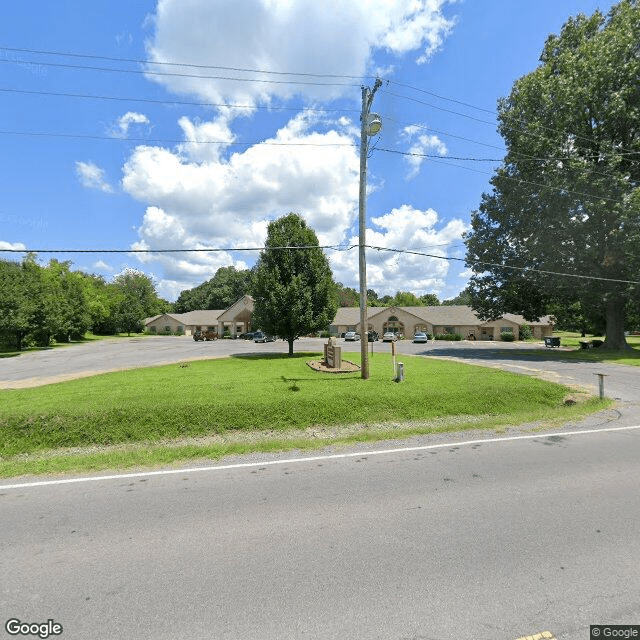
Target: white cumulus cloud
[285,36]
[123,124]
[420,145]
[210,191]
[92,177]
[228,201]
[404,228]
[11,245]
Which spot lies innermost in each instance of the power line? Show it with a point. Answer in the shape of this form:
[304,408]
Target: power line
[432,158]
[438,156]
[181,64]
[494,122]
[473,263]
[181,75]
[88,136]
[386,118]
[173,102]
[277,108]
[505,266]
[267,72]
[440,97]
[433,106]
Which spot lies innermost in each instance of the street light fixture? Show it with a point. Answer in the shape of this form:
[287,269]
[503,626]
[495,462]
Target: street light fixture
[374,124]
[370,125]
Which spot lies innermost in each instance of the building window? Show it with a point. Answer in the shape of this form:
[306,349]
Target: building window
[393,325]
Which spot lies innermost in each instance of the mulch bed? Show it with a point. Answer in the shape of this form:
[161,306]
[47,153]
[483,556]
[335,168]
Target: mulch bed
[321,365]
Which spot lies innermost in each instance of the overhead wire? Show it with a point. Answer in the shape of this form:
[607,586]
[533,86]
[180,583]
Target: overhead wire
[227,105]
[181,64]
[267,72]
[87,136]
[481,263]
[431,157]
[182,75]
[492,123]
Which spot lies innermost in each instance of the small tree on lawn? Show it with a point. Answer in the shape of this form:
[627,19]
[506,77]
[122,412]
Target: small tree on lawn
[294,292]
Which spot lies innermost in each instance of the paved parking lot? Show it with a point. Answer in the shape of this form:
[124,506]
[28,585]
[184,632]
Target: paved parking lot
[64,363]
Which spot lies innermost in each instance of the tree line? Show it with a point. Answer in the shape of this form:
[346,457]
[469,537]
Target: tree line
[230,284]
[41,304]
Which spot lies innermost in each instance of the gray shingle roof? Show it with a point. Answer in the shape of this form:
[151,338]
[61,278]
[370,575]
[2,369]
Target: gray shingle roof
[201,317]
[450,315]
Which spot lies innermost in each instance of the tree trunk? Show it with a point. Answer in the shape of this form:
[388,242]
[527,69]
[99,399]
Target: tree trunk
[614,338]
[291,347]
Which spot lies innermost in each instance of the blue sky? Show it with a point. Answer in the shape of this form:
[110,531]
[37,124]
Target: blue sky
[204,156]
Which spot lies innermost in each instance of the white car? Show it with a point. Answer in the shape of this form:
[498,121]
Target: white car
[259,336]
[389,336]
[351,336]
[420,336]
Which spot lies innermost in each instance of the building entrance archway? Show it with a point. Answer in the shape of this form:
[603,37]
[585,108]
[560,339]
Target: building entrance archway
[393,325]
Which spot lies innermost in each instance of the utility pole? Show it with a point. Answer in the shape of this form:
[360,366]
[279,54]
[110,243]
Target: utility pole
[370,124]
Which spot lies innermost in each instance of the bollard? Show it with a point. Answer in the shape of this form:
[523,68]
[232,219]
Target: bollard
[602,376]
[400,372]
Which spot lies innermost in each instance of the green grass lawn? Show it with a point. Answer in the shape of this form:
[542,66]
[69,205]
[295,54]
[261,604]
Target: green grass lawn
[570,339]
[160,407]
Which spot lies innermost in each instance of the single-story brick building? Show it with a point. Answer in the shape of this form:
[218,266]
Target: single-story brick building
[401,320]
[236,320]
[443,319]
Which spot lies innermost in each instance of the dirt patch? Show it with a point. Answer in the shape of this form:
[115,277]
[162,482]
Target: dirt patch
[321,365]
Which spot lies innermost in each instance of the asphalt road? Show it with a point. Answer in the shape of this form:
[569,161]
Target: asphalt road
[484,540]
[448,536]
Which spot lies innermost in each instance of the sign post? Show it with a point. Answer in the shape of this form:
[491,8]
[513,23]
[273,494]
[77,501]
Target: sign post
[393,353]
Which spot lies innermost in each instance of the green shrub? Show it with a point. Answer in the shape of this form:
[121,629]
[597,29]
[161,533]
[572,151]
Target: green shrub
[448,336]
[507,336]
[525,332]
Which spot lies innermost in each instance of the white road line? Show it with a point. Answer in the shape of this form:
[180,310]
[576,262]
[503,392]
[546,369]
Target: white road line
[335,456]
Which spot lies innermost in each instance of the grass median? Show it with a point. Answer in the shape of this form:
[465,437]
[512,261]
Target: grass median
[208,409]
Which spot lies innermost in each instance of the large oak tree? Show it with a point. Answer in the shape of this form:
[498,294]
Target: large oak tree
[562,223]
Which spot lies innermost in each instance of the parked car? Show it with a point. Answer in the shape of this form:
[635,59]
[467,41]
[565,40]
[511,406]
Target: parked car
[389,336]
[420,336]
[247,335]
[204,335]
[260,336]
[351,336]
